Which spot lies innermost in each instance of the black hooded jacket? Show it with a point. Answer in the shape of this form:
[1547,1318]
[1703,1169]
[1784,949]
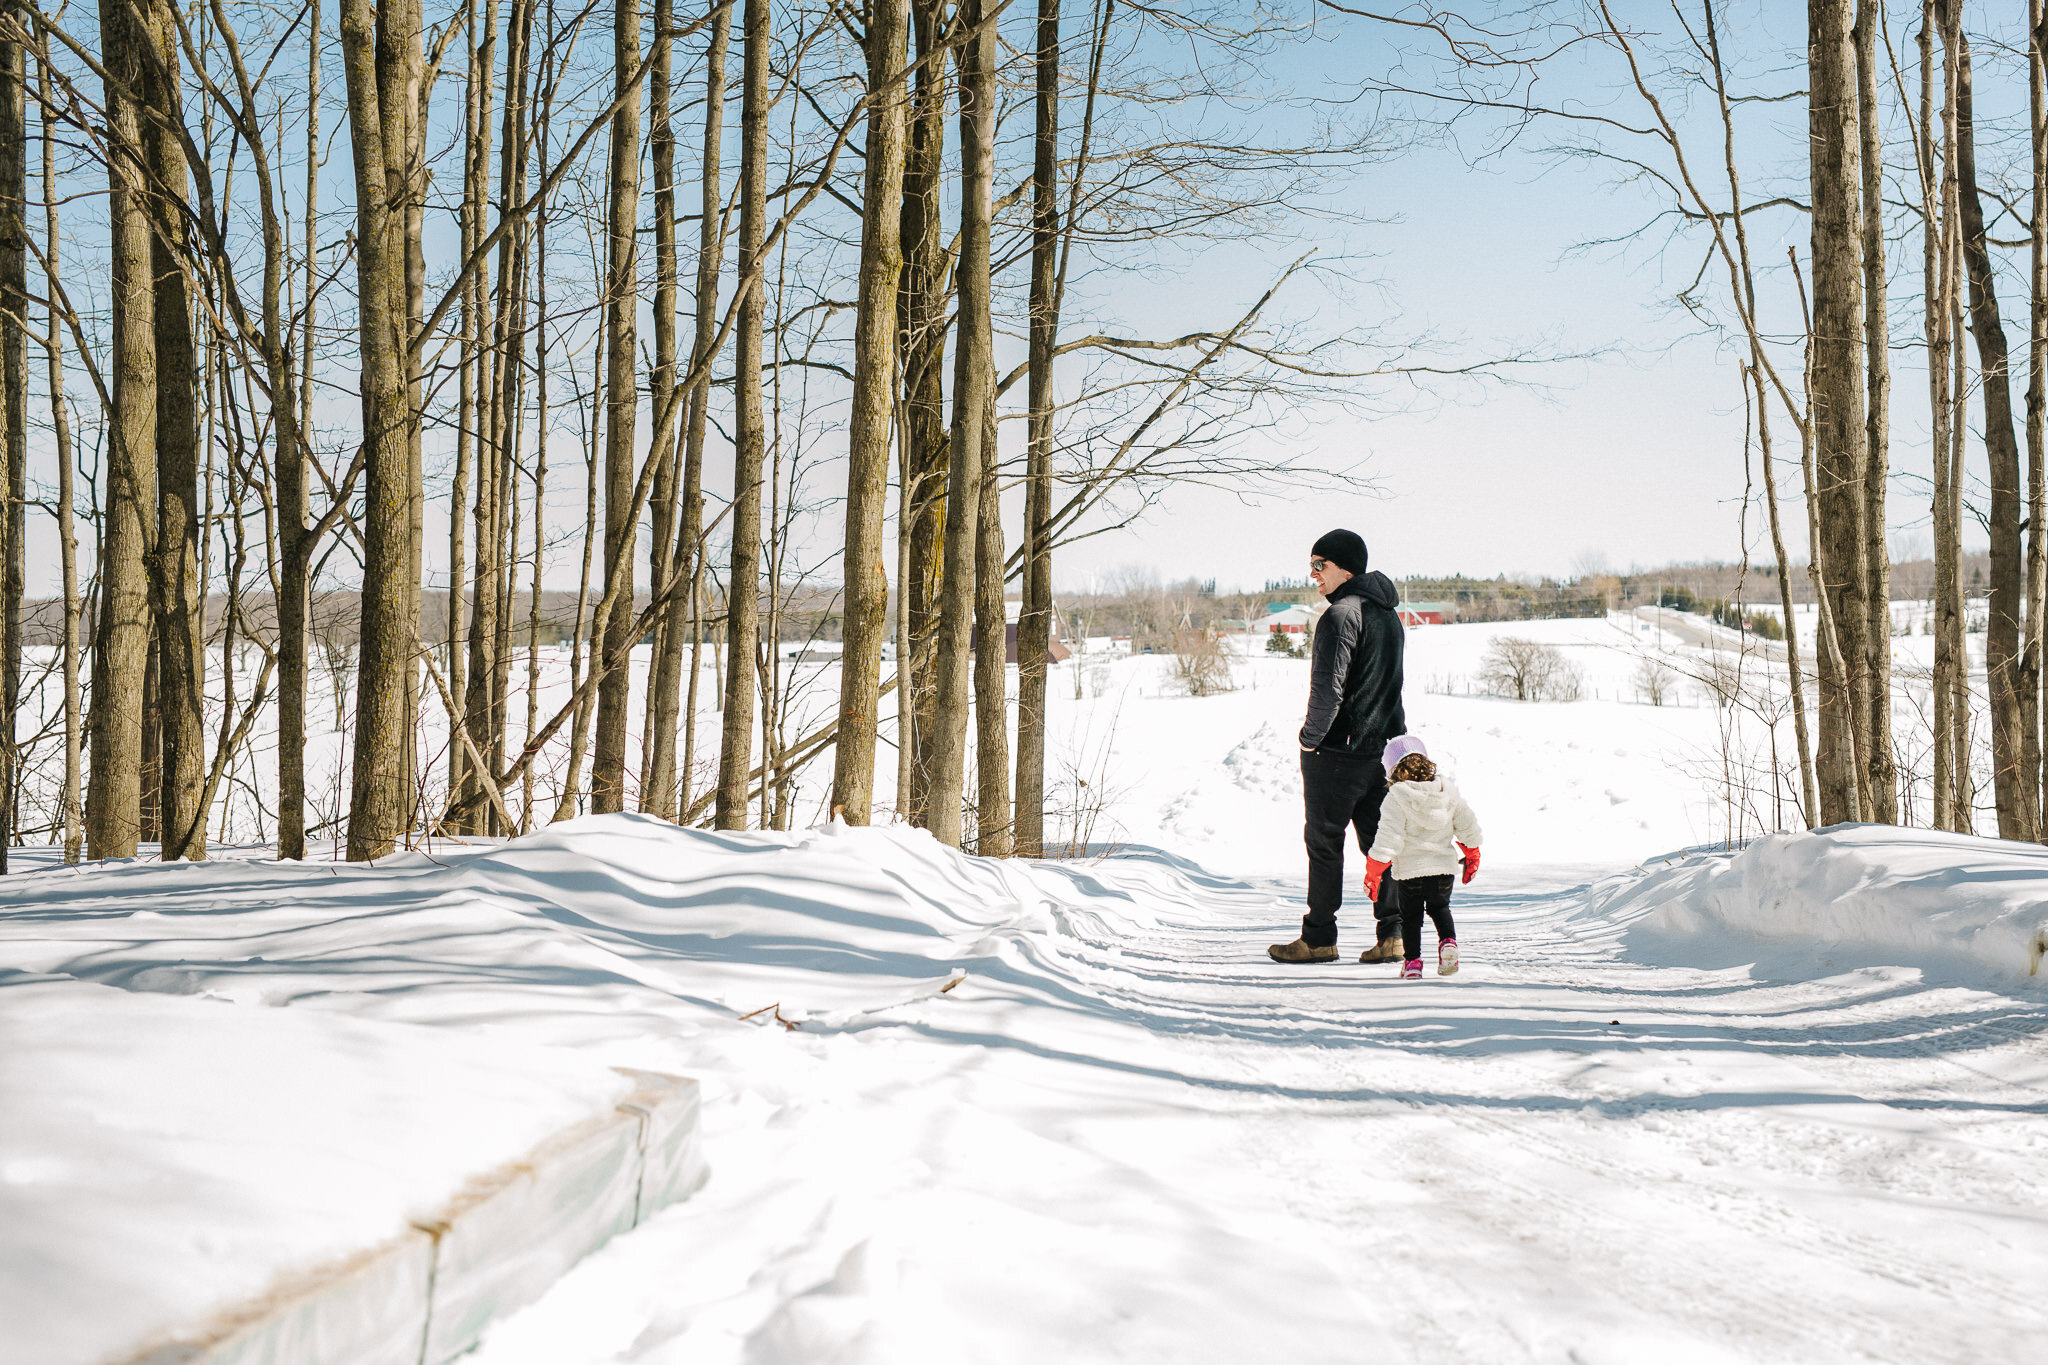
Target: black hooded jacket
[1354,689]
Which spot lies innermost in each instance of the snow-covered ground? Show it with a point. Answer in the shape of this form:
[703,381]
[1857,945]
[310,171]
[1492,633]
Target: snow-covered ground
[1778,1105]
[161,1154]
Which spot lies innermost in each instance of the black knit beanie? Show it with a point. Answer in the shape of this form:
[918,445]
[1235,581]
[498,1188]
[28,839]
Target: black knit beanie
[1345,549]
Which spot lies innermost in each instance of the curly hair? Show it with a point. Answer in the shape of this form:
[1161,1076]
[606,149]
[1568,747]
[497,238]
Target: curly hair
[1414,768]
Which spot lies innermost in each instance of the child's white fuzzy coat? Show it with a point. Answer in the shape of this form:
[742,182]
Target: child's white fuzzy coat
[1421,826]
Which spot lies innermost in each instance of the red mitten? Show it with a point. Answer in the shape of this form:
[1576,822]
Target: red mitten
[1471,861]
[1374,870]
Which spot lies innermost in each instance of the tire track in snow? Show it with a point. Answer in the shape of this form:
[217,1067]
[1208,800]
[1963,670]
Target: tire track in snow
[1592,981]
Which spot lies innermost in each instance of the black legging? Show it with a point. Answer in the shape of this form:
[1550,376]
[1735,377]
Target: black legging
[1417,894]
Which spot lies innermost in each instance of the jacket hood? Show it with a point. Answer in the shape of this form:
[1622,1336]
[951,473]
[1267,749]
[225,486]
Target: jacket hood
[1375,587]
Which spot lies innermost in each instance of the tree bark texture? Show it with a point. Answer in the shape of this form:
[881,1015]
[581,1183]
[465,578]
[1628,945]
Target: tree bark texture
[381,71]
[622,397]
[1034,621]
[1838,413]
[121,642]
[922,454]
[67,535]
[868,425]
[992,828]
[2015,790]
[1938,235]
[295,542]
[482,30]
[1955,787]
[972,399]
[479,672]
[14,419]
[1880,765]
[508,401]
[710,262]
[665,679]
[2032,666]
[180,603]
[743,584]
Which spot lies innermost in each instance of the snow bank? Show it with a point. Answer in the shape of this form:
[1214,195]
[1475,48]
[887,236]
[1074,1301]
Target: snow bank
[1923,896]
[163,1158]
[301,1058]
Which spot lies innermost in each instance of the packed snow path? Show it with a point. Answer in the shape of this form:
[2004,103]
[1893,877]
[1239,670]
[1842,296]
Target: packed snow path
[1124,1134]
[1147,1143]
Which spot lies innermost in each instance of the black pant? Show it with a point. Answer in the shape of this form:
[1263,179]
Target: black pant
[1419,894]
[1339,790]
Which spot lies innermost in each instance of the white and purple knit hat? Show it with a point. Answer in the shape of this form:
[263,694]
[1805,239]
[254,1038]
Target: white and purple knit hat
[1398,749]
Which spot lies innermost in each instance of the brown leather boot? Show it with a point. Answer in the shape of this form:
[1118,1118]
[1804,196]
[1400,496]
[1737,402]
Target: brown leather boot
[1300,951]
[1386,950]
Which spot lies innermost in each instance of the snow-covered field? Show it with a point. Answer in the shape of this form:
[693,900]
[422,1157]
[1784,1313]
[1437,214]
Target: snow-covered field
[1778,1105]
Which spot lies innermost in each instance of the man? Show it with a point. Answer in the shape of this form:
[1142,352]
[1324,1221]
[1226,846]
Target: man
[1354,708]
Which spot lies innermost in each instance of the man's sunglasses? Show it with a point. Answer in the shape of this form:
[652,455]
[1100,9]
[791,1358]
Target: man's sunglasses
[1318,565]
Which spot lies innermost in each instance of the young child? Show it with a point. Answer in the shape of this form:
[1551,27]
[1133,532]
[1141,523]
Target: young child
[1426,834]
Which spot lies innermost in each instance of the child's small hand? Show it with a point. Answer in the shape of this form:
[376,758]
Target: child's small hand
[1471,861]
[1374,871]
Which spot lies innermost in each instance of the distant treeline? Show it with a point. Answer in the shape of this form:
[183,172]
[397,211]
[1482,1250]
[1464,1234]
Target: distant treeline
[1138,606]
[803,613]
[1911,579]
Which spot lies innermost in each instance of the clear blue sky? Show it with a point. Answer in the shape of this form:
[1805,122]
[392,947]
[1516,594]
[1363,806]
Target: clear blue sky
[1637,454]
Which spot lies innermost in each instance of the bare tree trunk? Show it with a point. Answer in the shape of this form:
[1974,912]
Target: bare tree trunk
[710,262]
[1875,746]
[181,607]
[527,800]
[67,535]
[743,587]
[121,644]
[906,737]
[586,699]
[622,397]
[1830,661]
[2015,789]
[1937,186]
[509,402]
[1809,796]
[1962,705]
[401,28]
[874,393]
[501,408]
[382,70]
[2033,663]
[972,400]
[1838,414]
[295,548]
[468,430]
[152,724]
[767,659]
[665,677]
[992,834]
[14,399]
[1955,790]
[482,412]
[923,457]
[1034,621]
